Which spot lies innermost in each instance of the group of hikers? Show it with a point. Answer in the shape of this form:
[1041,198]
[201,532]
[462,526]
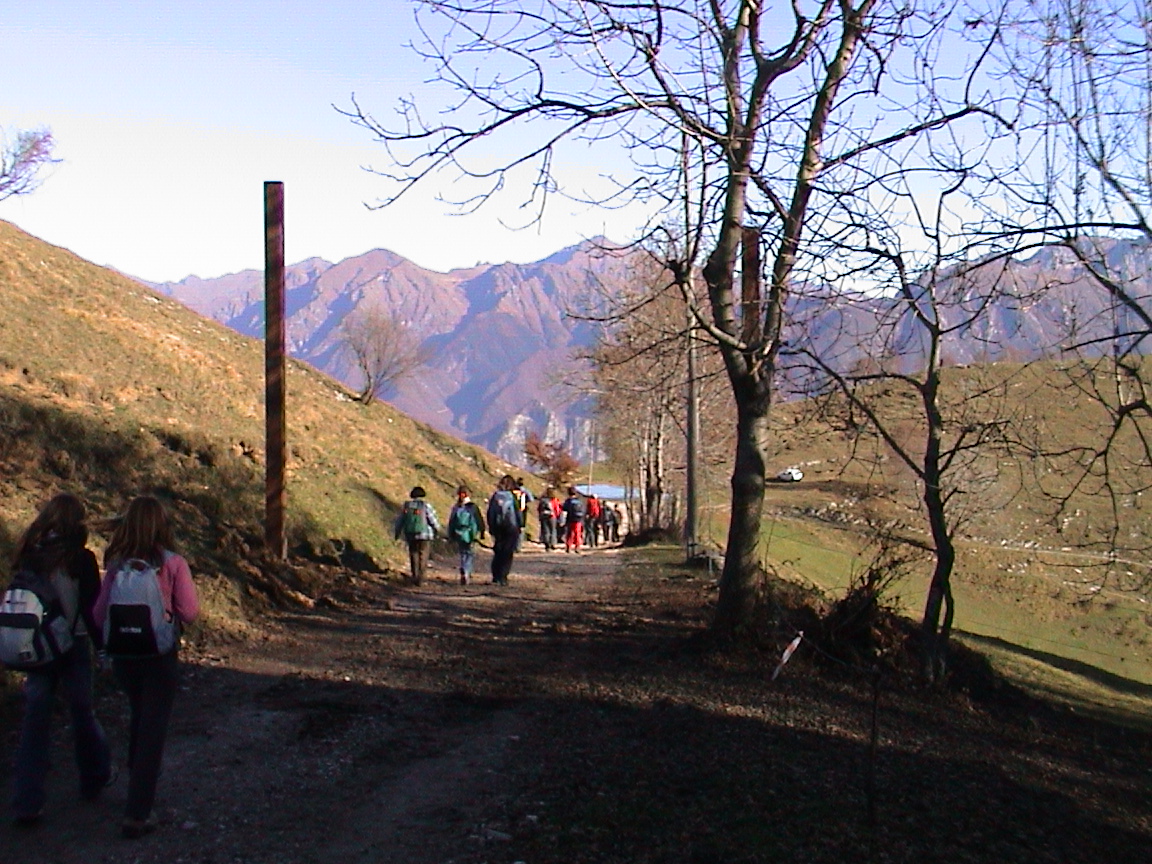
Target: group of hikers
[582,520]
[58,610]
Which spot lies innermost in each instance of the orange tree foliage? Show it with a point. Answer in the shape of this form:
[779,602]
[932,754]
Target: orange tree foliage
[557,465]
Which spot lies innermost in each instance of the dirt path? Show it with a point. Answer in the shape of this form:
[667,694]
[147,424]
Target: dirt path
[568,719]
[388,731]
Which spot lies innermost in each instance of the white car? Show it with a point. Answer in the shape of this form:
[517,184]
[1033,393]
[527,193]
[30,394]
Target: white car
[790,475]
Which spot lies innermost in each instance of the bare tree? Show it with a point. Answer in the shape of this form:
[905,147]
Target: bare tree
[733,115]
[640,378]
[383,348]
[1081,179]
[21,160]
[888,375]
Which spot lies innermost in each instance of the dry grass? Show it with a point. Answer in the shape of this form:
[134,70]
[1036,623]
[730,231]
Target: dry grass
[108,390]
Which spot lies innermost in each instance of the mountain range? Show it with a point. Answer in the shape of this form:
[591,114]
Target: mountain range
[504,337]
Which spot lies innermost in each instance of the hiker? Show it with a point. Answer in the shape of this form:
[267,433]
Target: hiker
[505,526]
[617,522]
[607,521]
[574,511]
[592,522]
[418,523]
[140,567]
[465,526]
[548,509]
[524,499]
[54,548]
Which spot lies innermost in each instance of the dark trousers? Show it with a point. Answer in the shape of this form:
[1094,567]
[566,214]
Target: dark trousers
[591,534]
[73,674]
[548,532]
[503,550]
[151,684]
[418,552]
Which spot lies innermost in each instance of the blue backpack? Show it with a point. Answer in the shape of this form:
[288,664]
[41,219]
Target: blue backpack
[502,513]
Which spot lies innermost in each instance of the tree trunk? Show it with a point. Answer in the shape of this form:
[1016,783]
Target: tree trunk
[645,470]
[940,589]
[659,517]
[741,581]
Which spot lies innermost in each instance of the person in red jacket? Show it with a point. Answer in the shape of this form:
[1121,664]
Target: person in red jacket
[592,521]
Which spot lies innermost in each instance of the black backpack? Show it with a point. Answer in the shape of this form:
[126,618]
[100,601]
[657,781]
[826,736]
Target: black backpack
[575,509]
[34,631]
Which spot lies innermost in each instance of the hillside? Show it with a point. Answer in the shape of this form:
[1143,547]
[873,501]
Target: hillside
[108,389]
[1052,565]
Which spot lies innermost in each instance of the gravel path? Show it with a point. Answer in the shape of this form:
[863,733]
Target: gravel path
[572,718]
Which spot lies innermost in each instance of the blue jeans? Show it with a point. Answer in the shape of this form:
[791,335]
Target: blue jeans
[467,557]
[548,534]
[93,758]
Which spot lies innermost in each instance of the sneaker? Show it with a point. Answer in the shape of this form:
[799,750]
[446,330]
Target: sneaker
[134,829]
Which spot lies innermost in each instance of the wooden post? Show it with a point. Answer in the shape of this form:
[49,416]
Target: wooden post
[275,378]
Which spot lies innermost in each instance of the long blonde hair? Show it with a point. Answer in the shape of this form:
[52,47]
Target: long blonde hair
[142,532]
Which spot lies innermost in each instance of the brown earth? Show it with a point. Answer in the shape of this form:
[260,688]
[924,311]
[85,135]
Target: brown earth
[576,716]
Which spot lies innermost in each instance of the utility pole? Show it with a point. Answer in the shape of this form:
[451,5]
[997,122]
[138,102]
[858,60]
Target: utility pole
[275,377]
[592,452]
[692,479]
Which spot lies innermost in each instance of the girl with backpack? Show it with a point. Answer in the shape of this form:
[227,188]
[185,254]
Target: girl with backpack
[54,547]
[465,526]
[141,549]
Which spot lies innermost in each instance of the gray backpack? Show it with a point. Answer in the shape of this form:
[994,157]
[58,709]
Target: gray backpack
[34,629]
[136,624]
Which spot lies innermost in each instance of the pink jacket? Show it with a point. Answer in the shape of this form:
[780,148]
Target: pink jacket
[176,587]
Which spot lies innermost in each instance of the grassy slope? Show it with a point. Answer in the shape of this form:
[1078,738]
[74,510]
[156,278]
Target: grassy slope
[1023,582]
[107,389]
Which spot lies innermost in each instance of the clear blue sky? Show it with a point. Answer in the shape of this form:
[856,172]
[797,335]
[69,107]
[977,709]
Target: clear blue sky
[169,116]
